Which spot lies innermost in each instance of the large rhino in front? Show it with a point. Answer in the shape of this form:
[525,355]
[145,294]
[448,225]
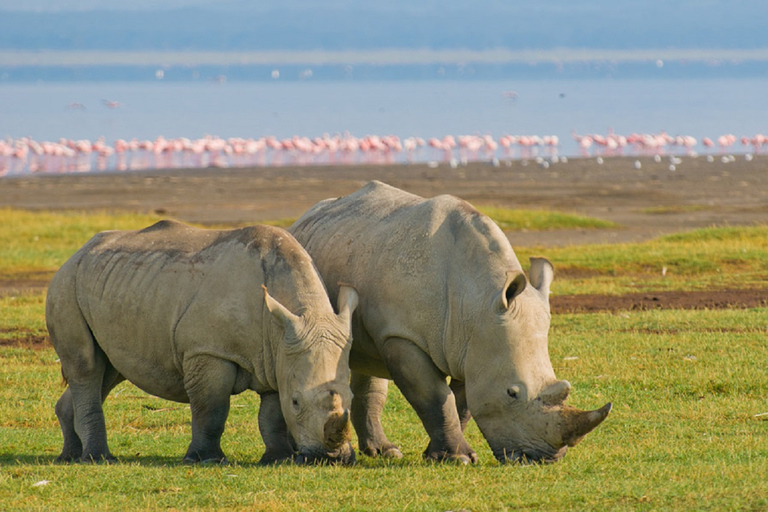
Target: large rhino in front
[196,315]
[442,294]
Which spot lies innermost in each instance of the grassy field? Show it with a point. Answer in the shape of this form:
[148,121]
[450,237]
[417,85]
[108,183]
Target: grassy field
[689,429]
[538,220]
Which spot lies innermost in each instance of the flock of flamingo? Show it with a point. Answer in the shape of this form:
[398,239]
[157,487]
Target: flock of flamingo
[26,156]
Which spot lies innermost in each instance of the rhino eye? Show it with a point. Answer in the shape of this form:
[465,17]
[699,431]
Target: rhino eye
[295,402]
[513,392]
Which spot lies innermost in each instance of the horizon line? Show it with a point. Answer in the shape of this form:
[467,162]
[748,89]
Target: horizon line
[385,56]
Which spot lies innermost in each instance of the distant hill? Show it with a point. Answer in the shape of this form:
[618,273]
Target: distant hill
[342,25]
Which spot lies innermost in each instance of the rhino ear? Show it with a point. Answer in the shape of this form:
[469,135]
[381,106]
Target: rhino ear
[347,302]
[514,286]
[542,273]
[288,320]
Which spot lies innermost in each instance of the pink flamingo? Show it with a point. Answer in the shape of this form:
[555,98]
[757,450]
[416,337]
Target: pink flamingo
[584,142]
[725,141]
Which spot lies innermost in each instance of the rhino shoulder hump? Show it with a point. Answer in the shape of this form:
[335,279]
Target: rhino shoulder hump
[165,225]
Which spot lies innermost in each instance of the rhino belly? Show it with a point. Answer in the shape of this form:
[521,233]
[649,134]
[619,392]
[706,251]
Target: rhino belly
[144,359]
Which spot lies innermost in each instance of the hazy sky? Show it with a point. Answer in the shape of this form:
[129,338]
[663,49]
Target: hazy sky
[76,5]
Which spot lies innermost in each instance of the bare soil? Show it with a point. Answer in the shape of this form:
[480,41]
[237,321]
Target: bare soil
[645,202]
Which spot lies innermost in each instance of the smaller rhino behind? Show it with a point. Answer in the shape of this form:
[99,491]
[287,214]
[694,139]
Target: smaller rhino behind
[184,314]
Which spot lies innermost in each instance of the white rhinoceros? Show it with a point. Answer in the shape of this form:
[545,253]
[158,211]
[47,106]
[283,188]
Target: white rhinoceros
[442,294]
[180,312]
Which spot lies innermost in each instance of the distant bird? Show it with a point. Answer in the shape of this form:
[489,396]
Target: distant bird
[111,104]
[510,95]
[76,106]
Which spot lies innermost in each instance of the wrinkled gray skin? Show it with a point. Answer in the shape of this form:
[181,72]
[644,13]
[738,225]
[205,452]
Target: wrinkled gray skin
[442,294]
[184,314]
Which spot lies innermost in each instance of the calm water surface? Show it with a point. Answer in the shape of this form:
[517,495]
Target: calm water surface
[702,108]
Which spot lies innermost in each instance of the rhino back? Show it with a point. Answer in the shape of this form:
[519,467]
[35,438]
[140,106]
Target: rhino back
[425,268]
[155,296]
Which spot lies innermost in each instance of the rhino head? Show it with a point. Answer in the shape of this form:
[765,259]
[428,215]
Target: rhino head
[313,380]
[512,392]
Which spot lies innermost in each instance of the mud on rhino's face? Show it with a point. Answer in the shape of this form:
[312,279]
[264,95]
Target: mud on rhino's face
[512,392]
[313,381]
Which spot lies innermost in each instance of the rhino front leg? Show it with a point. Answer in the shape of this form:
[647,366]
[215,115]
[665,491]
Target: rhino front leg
[460,394]
[369,397]
[209,382]
[425,388]
[279,443]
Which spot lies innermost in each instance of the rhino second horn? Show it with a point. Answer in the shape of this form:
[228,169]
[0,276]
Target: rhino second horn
[556,393]
[337,430]
[577,424]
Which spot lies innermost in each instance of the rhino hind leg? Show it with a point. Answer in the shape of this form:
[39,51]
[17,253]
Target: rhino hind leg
[425,388]
[80,411]
[65,412]
[369,397]
[209,382]
[280,446]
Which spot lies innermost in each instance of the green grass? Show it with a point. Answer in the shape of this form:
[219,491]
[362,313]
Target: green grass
[280,223]
[687,431]
[35,244]
[22,314]
[38,242]
[540,220]
[685,434]
[704,259]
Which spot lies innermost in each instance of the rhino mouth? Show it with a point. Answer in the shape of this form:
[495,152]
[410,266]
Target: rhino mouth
[529,456]
[344,456]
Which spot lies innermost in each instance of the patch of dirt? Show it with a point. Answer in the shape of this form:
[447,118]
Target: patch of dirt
[23,339]
[15,286]
[660,300]
[645,202]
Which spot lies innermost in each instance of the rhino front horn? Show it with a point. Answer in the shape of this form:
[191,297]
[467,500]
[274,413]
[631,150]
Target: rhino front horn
[577,424]
[337,430]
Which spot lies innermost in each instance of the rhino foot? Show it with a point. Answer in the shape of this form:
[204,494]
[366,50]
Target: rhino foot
[393,452]
[66,458]
[269,459]
[388,452]
[469,456]
[101,459]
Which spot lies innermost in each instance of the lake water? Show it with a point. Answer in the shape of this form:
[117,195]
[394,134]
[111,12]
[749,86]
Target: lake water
[701,108]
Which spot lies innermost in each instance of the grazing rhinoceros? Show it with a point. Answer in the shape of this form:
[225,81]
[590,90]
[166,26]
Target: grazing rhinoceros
[180,312]
[443,294]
